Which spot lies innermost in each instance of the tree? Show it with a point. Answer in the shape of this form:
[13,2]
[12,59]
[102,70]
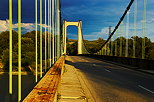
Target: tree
[4,40]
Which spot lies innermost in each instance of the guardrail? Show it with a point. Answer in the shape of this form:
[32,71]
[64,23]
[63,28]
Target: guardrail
[46,89]
[135,62]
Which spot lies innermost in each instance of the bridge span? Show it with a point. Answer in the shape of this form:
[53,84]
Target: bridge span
[113,83]
[87,79]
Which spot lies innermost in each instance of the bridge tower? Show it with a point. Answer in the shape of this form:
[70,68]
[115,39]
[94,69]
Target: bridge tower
[80,38]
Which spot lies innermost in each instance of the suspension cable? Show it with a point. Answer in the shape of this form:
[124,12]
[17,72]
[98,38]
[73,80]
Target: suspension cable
[120,21]
[36,41]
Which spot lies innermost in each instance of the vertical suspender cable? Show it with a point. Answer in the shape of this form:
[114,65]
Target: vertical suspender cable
[127,31]
[111,43]
[121,31]
[10,47]
[53,29]
[58,28]
[134,40]
[45,35]
[19,50]
[50,36]
[55,23]
[116,50]
[112,46]
[40,38]
[144,31]
[48,33]
[36,40]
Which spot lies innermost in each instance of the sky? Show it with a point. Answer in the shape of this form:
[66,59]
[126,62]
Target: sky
[96,16]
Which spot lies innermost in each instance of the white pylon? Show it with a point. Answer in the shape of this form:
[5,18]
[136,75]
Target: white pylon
[80,40]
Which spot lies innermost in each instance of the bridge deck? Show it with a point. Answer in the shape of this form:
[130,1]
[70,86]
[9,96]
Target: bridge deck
[45,90]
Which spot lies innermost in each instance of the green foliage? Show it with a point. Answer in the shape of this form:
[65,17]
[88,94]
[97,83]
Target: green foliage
[5,59]
[4,40]
[28,48]
[95,45]
[72,48]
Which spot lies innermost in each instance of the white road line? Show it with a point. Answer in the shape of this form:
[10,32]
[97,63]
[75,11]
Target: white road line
[146,89]
[94,64]
[107,70]
[84,60]
[87,61]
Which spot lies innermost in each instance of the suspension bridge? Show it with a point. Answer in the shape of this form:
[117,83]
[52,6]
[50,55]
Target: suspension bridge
[120,70]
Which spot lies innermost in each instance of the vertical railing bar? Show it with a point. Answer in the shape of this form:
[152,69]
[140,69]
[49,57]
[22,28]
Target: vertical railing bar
[19,50]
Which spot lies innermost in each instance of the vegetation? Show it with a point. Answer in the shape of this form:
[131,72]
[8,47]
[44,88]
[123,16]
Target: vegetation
[95,45]
[28,48]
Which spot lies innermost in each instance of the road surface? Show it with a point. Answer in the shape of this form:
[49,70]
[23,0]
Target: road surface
[112,83]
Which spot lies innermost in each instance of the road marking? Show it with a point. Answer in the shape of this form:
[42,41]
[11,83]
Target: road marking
[69,97]
[87,61]
[84,60]
[145,89]
[94,64]
[107,70]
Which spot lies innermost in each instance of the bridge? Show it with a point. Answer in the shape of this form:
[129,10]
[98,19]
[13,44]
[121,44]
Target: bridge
[40,69]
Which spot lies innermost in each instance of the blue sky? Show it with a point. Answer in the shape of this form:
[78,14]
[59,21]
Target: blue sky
[96,16]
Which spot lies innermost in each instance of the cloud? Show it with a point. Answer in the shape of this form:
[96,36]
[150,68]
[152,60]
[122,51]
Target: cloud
[4,25]
[103,33]
[26,27]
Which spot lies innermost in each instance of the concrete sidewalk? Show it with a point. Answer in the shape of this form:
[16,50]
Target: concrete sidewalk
[72,89]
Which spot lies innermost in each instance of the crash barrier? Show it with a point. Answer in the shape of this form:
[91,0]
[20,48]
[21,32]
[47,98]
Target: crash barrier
[135,62]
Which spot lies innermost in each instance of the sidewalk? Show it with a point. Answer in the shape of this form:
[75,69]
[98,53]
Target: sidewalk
[72,87]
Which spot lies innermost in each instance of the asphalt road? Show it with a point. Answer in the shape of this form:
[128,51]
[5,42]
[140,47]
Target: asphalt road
[112,83]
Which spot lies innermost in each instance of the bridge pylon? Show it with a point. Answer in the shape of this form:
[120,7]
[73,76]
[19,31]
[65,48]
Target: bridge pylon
[80,38]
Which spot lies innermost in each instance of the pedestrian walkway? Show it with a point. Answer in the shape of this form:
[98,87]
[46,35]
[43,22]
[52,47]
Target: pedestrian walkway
[71,89]
[71,86]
